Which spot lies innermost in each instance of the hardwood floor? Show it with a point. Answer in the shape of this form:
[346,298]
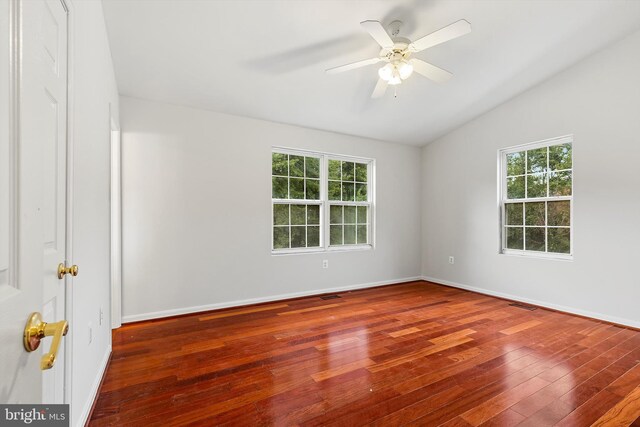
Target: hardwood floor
[408,354]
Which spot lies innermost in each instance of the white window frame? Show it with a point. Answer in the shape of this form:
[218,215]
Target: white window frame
[325,203]
[502,199]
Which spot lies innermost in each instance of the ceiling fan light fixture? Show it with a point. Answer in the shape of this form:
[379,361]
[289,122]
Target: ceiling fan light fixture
[391,74]
[396,53]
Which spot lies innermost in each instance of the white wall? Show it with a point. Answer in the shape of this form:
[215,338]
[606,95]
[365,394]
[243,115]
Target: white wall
[93,91]
[597,100]
[197,219]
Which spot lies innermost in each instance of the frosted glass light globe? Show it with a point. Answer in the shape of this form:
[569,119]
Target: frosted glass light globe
[405,69]
[395,79]
[386,72]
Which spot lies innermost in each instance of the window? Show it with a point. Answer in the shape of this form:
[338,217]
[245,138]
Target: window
[320,201]
[536,198]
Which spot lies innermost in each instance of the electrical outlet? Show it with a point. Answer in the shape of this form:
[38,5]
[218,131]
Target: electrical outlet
[101,316]
[90,332]
[452,260]
[325,263]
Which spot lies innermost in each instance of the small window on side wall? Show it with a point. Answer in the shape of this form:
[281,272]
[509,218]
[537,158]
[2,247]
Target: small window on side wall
[536,199]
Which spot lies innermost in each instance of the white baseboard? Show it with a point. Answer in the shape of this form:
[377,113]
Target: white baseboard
[571,310]
[216,306]
[93,393]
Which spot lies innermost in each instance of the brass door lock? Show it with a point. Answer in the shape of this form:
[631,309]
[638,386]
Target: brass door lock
[35,330]
[62,270]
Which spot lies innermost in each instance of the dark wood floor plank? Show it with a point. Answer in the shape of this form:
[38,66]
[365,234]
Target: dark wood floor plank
[624,413]
[408,354]
[504,419]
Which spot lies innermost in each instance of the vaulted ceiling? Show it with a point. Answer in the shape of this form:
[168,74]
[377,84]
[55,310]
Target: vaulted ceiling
[266,58]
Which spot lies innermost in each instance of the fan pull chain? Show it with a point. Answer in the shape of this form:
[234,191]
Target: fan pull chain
[395,91]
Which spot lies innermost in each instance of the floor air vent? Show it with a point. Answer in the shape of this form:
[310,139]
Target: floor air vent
[524,306]
[330,297]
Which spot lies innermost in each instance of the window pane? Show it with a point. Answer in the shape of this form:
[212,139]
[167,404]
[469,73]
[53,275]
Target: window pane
[534,213]
[361,172]
[298,237]
[560,157]
[348,193]
[335,237]
[535,237]
[362,215]
[296,166]
[361,192]
[313,214]
[279,164]
[313,237]
[312,167]
[296,188]
[515,187]
[349,214]
[313,189]
[298,214]
[537,160]
[348,171]
[559,240]
[537,185]
[513,213]
[280,237]
[361,237]
[559,213]
[560,183]
[514,237]
[335,214]
[335,190]
[281,214]
[515,164]
[349,234]
[334,169]
[279,188]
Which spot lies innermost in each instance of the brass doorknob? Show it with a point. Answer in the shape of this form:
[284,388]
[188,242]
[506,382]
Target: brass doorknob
[62,270]
[35,330]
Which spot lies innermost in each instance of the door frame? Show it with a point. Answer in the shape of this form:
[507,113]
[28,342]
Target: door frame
[68,342]
[116,220]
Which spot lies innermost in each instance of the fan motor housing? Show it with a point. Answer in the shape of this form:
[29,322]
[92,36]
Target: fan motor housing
[398,52]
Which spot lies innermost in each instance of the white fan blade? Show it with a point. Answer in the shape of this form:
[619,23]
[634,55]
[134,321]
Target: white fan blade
[380,89]
[457,29]
[353,65]
[378,33]
[432,72]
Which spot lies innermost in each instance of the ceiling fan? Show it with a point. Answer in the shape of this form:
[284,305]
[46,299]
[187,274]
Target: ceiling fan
[396,52]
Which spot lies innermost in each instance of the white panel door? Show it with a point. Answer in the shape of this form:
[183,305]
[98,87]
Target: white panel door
[51,129]
[33,185]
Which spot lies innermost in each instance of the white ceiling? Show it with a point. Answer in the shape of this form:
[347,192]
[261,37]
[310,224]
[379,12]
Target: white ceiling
[266,58]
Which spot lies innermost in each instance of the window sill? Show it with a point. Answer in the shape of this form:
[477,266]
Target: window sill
[541,255]
[330,249]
